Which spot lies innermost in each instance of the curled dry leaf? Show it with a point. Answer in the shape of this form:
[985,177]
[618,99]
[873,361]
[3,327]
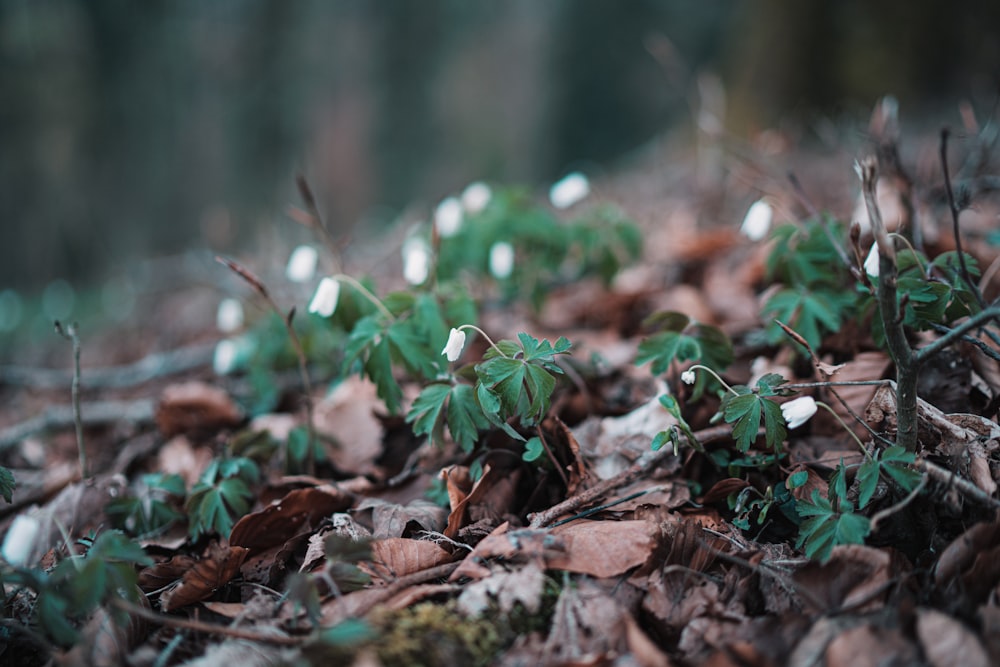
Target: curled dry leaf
[195,407]
[855,577]
[285,518]
[393,520]
[219,565]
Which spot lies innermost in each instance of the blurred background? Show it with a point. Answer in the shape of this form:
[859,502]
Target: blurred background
[139,129]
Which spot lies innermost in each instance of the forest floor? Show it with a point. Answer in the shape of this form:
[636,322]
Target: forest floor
[616,554]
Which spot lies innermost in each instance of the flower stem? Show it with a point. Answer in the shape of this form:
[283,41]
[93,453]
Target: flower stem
[716,375]
[484,335]
[365,292]
[854,435]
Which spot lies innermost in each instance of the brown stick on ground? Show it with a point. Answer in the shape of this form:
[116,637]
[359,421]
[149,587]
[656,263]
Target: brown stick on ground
[644,464]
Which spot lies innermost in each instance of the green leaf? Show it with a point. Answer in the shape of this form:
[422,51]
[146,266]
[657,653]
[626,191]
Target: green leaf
[347,633]
[808,312]
[215,508]
[746,411]
[824,527]
[7,484]
[464,416]
[533,449]
[797,479]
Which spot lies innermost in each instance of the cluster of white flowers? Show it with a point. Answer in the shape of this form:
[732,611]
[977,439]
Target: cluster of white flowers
[571,189]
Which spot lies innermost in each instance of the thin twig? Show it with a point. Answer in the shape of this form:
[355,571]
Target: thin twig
[983,347]
[300,354]
[963,486]
[207,628]
[646,463]
[70,333]
[953,207]
[955,334]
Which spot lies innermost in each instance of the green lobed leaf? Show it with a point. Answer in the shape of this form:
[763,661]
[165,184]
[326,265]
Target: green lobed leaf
[7,484]
[533,449]
[824,527]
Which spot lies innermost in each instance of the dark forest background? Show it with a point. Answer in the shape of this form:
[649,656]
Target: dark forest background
[135,129]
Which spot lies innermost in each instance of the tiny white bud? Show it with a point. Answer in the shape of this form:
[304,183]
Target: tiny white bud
[229,316]
[448,217]
[476,197]
[798,411]
[302,264]
[571,189]
[224,359]
[757,222]
[501,260]
[416,261]
[19,542]
[324,301]
[689,377]
[456,341]
[871,262]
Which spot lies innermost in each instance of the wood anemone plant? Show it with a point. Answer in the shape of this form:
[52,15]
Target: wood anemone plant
[908,360]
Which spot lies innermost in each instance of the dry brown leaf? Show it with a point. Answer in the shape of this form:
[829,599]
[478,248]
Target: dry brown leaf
[971,563]
[868,645]
[395,557]
[946,642]
[504,588]
[179,457]
[276,524]
[215,569]
[855,576]
[348,416]
[603,548]
[392,520]
[196,408]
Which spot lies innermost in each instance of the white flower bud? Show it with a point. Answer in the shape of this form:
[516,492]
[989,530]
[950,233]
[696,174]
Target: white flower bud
[571,189]
[416,261]
[302,264]
[324,301]
[757,222]
[689,377]
[448,217]
[19,542]
[798,411]
[501,260]
[224,359]
[229,316]
[476,197]
[871,262]
[456,342]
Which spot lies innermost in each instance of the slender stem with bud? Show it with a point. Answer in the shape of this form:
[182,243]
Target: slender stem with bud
[484,335]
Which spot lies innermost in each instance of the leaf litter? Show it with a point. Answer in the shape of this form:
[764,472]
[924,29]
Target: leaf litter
[654,570]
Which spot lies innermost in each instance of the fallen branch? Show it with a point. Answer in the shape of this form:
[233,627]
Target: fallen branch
[148,368]
[62,416]
[646,462]
[963,486]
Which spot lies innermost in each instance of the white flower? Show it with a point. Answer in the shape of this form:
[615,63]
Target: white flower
[871,262]
[571,189]
[689,377]
[229,316]
[798,411]
[302,264]
[757,222]
[324,301]
[20,540]
[501,260]
[416,261]
[456,341]
[476,197]
[448,217]
[224,359]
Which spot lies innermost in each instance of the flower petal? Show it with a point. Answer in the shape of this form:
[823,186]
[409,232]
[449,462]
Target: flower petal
[456,342]
[798,411]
